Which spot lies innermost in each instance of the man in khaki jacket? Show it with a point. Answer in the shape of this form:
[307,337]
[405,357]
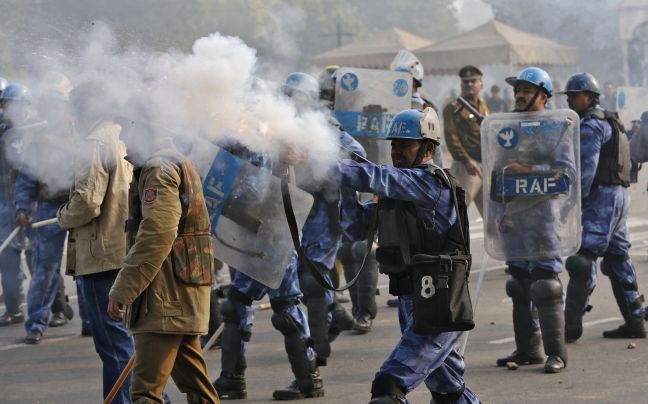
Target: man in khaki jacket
[95,216]
[463,138]
[167,274]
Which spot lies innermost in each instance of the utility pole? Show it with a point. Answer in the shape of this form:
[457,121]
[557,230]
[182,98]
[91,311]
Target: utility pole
[339,34]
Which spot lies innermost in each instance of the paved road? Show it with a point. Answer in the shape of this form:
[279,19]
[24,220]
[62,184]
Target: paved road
[65,369]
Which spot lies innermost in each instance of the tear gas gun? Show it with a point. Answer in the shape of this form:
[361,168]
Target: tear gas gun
[473,112]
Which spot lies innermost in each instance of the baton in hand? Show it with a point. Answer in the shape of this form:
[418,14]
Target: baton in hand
[465,104]
[16,230]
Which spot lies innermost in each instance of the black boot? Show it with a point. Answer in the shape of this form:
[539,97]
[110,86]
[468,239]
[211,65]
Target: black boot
[527,337]
[546,295]
[633,327]
[385,390]
[231,383]
[305,388]
[342,320]
[579,268]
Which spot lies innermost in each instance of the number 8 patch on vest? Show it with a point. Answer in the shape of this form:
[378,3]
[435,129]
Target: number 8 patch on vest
[150,195]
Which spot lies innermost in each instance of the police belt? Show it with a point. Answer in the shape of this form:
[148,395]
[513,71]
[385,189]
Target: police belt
[294,232]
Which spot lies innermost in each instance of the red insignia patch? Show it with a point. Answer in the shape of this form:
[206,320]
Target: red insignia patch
[150,195]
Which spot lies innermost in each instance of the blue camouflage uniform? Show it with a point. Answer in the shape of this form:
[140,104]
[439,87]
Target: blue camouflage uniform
[10,257]
[48,249]
[417,358]
[321,239]
[237,311]
[604,212]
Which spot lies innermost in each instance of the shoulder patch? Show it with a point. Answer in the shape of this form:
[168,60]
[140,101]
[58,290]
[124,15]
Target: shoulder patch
[150,195]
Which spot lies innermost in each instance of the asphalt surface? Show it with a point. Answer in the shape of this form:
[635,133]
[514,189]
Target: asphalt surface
[64,368]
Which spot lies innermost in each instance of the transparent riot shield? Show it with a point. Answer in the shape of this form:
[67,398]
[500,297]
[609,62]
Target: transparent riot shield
[247,217]
[366,100]
[531,177]
[631,103]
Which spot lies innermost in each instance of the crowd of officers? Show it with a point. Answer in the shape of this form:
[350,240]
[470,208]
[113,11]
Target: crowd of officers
[162,282]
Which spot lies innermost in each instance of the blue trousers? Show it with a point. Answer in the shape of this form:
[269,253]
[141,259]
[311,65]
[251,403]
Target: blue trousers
[11,278]
[46,268]
[605,233]
[288,291]
[111,339]
[429,358]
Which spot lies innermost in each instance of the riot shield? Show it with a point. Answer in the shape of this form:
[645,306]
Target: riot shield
[366,100]
[631,103]
[248,223]
[531,177]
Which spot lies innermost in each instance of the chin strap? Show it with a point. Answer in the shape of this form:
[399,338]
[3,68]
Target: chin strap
[421,152]
[533,100]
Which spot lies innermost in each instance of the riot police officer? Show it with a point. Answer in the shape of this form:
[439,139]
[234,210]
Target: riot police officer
[417,192]
[351,252]
[534,280]
[43,151]
[605,177]
[15,103]
[288,317]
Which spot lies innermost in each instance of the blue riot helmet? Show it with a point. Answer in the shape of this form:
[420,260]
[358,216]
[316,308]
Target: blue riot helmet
[415,124]
[302,88]
[535,76]
[14,101]
[581,82]
[16,92]
[406,62]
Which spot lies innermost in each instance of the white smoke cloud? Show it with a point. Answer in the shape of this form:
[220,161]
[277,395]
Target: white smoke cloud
[207,96]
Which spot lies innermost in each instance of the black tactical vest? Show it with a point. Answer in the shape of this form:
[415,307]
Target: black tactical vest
[401,234]
[614,164]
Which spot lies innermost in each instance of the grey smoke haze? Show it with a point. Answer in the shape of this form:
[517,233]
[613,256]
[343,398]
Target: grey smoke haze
[206,96]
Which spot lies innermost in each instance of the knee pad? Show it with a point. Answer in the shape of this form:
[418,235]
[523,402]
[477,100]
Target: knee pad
[385,385]
[228,308]
[546,290]
[448,398]
[579,266]
[516,290]
[609,259]
[309,285]
[282,321]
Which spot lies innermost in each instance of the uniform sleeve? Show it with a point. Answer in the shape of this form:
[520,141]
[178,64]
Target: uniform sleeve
[161,211]
[25,192]
[412,185]
[348,142]
[591,143]
[451,132]
[354,216]
[89,190]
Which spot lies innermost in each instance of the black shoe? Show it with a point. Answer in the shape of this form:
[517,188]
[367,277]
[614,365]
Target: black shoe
[33,337]
[231,386]
[9,318]
[363,323]
[554,364]
[68,312]
[58,320]
[293,392]
[521,359]
[392,302]
[627,331]
[573,332]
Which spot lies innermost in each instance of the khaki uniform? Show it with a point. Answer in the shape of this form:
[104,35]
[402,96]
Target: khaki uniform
[166,280]
[463,141]
[98,204]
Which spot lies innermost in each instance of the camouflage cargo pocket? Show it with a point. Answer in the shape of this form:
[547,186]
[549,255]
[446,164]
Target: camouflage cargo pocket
[192,259]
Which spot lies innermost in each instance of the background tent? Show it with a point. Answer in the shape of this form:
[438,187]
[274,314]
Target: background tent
[376,52]
[494,43]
